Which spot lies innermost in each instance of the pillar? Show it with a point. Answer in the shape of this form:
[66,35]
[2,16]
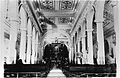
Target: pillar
[116,12]
[33,46]
[118,40]
[29,42]
[36,47]
[72,49]
[84,45]
[79,57]
[12,13]
[100,33]
[23,44]
[115,16]
[23,34]
[90,39]
[2,6]
[75,40]
[39,49]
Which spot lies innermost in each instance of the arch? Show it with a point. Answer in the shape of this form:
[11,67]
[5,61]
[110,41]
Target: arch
[58,31]
[19,7]
[23,16]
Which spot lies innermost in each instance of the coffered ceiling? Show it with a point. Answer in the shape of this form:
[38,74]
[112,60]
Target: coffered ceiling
[60,12]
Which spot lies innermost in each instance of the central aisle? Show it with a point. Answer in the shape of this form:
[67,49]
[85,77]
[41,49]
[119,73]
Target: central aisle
[56,73]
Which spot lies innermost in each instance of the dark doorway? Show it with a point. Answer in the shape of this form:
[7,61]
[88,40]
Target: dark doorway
[56,54]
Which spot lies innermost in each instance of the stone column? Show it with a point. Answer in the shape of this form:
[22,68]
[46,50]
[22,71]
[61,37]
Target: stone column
[90,39]
[23,44]
[36,47]
[83,44]
[72,49]
[116,13]
[78,59]
[118,41]
[1,49]
[33,46]
[116,27]
[77,47]
[13,38]
[100,34]
[2,6]
[12,13]
[23,30]
[29,42]
[39,45]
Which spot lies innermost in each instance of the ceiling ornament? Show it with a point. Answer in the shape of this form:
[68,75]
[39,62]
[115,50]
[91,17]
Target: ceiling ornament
[66,5]
[47,5]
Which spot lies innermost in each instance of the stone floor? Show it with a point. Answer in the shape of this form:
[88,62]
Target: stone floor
[56,73]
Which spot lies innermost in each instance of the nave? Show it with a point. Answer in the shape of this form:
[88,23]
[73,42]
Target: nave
[77,38]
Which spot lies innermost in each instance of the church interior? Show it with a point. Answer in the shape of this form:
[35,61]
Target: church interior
[59,38]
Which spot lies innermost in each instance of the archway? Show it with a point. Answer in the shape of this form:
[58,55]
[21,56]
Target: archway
[55,33]
[56,54]
[51,35]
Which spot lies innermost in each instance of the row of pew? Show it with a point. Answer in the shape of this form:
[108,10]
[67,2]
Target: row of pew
[87,70]
[26,70]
